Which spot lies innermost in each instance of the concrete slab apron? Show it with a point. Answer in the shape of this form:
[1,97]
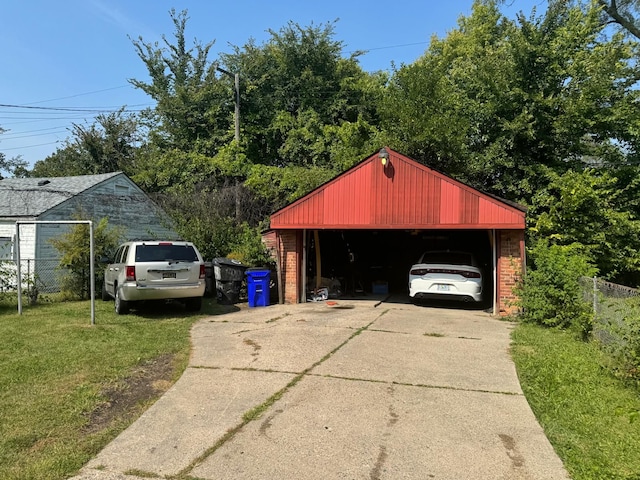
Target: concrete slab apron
[389,392]
[237,364]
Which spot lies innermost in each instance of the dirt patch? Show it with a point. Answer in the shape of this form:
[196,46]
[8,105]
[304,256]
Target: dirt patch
[147,382]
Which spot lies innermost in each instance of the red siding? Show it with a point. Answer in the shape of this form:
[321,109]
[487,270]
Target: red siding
[406,194]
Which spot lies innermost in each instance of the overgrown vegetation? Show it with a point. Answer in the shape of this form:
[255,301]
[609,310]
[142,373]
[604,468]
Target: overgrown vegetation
[619,336]
[540,109]
[551,294]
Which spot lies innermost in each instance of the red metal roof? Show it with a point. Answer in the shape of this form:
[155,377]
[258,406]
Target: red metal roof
[403,195]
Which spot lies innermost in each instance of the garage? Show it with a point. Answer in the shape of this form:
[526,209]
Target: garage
[361,232]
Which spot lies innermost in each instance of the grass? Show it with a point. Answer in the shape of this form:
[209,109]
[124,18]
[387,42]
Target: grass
[590,417]
[55,369]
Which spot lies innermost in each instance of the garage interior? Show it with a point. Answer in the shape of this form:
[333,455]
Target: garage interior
[375,261]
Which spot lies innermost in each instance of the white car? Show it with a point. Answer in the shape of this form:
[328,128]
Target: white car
[446,275]
[155,270]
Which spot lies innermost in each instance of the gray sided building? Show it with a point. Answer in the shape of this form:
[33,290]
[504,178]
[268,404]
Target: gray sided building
[93,197]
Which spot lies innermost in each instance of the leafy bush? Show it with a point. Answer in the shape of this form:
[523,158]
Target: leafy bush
[7,278]
[75,250]
[550,294]
[249,248]
[9,282]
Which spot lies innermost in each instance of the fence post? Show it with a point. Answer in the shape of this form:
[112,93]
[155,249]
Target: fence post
[595,299]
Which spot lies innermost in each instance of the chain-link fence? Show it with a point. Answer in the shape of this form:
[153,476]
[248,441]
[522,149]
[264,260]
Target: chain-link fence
[616,314]
[42,275]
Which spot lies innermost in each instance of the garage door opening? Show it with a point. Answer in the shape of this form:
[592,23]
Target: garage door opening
[361,262]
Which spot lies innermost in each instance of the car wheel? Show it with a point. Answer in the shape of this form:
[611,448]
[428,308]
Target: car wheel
[105,294]
[194,304]
[121,306]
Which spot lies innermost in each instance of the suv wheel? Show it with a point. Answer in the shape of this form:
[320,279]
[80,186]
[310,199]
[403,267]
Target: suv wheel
[121,306]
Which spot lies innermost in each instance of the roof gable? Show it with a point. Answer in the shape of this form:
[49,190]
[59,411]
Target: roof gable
[31,197]
[403,195]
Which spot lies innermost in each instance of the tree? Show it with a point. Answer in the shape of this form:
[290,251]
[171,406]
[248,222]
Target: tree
[295,86]
[109,144]
[587,208]
[624,13]
[193,107]
[15,166]
[75,255]
[499,103]
[306,114]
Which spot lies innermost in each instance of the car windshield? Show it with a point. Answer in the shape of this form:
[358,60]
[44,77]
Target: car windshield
[448,258]
[164,253]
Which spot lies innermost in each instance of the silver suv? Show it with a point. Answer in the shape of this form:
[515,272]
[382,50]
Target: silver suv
[155,270]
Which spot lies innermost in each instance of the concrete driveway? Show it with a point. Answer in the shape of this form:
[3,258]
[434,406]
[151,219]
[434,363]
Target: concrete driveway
[357,390]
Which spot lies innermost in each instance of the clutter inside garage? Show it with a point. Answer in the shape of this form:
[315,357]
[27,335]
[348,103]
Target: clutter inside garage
[355,263]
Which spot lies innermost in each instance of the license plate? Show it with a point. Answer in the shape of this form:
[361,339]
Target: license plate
[443,288]
[168,274]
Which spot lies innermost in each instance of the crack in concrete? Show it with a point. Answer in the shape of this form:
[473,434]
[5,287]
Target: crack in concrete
[257,411]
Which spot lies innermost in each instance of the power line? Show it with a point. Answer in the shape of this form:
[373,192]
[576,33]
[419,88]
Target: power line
[36,120]
[16,136]
[9,132]
[30,146]
[79,94]
[74,109]
[366,50]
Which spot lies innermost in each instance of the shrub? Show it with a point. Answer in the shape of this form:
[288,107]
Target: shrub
[7,278]
[75,251]
[550,293]
[249,248]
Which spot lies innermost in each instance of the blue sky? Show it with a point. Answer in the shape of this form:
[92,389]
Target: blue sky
[78,54]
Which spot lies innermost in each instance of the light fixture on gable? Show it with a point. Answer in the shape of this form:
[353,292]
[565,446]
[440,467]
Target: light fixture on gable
[384,156]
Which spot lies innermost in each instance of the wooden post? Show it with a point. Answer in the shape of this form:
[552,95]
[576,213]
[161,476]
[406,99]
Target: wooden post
[316,237]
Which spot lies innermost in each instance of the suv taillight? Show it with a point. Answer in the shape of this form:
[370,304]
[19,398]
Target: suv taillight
[131,273]
[202,271]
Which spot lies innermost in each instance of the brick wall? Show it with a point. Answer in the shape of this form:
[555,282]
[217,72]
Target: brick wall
[510,268]
[287,245]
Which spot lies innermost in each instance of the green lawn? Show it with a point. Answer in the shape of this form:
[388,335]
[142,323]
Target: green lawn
[57,371]
[590,417]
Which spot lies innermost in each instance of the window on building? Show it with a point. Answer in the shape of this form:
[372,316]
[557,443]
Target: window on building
[6,248]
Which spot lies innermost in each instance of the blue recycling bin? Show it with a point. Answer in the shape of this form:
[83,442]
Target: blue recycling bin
[258,287]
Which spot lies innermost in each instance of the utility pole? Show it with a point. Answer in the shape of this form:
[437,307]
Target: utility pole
[236,118]
[236,81]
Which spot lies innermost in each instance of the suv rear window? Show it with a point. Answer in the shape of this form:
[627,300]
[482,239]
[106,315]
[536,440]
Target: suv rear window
[164,253]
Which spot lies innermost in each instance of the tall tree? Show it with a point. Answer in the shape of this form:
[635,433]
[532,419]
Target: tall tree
[295,86]
[520,99]
[589,208]
[623,12]
[193,108]
[14,166]
[109,144]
